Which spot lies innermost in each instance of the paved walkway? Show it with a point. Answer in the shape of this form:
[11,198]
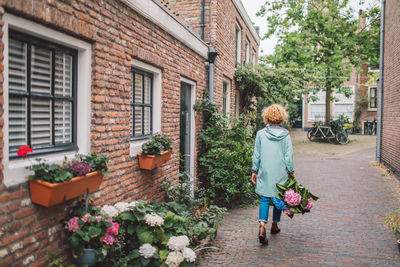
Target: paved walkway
[345,228]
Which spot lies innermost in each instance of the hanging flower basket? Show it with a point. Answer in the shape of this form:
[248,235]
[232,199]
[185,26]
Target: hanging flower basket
[50,194]
[150,162]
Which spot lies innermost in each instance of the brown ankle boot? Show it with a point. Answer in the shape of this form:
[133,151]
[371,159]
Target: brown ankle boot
[262,235]
[274,228]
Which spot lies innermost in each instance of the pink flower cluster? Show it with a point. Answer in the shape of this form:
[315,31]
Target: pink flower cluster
[72,224]
[110,237]
[309,205]
[288,212]
[292,198]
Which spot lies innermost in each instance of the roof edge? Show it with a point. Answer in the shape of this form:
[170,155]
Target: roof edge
[243,13]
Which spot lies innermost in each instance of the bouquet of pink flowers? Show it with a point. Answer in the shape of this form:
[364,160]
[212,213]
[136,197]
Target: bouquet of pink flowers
[293,198]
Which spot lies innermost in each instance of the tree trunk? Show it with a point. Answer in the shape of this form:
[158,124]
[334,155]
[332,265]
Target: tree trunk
[328,104]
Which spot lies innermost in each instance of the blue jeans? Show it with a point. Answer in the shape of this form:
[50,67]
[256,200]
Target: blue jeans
[264,209]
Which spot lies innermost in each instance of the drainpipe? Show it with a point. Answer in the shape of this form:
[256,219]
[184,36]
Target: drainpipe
[202,25]
[380,95]
[211,58]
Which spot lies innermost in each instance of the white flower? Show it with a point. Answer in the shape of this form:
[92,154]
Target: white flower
[110,211]
[153,220]
[121,207]
[104,251]
[174,259]
[189,254]
[177,243]
[147,250]
[133,204]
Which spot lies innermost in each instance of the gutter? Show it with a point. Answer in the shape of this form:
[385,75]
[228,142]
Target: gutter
[211,59]
[380,95]
[202,25]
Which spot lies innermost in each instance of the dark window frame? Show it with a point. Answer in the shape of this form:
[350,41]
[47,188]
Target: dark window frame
[375,98]
[54,47]
[143,105]
[225,87]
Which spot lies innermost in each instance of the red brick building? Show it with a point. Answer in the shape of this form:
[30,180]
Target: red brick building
[80,76]
[390,144]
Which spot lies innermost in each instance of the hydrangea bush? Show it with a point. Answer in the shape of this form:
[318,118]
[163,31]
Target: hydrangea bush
[293,198]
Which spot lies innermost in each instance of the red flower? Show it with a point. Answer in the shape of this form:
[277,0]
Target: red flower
[24,150]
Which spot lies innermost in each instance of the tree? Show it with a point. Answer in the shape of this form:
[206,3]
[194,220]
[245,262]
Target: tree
[324,38]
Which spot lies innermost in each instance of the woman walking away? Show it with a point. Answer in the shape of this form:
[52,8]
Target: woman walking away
[272,164]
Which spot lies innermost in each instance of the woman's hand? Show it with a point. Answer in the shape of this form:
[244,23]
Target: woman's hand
[254,178]
[291,175]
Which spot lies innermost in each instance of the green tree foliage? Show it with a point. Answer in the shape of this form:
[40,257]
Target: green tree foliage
[323,38]
[273,85]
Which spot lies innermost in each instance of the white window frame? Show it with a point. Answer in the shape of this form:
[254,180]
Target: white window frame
[136,145]
[369,98]
[319,102]
[351,101]
[254,56]
[14,170]
[228,95]
[247,51]
[238,45]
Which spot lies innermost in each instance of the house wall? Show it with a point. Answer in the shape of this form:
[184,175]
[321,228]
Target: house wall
[221,18]
[391,83]
[118,37]
[367,113]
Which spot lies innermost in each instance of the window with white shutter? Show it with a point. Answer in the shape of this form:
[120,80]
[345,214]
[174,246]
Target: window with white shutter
[142,104]
[42,95]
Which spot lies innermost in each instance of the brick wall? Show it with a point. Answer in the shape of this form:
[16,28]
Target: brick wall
[220,28]
[391,84]
[367,114]
[28,232]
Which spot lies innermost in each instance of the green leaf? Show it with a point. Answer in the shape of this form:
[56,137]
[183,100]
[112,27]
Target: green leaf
[144,261]
[128,216]
[161,235]
[146,237]
[131,229]
[164,254]
[134,254]
[94,231]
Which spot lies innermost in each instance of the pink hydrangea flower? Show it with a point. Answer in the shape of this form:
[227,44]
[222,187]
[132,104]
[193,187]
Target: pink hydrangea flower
[309,205]
[85,217]
[72,224]
[288,212]
[113,229]
[292,198]
[108,239]
[98,218]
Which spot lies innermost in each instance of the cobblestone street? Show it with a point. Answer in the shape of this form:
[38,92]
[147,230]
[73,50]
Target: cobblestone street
[345,228]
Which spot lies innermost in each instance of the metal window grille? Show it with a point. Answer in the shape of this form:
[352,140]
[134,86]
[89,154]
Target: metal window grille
[42,95]
[142,104]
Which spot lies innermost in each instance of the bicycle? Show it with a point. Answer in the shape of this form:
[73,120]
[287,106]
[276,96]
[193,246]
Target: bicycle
[370,127]
[334,133]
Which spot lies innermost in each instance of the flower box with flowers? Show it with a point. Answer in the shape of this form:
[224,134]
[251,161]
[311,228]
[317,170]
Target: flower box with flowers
[155,152]
[52,184]
[293,198]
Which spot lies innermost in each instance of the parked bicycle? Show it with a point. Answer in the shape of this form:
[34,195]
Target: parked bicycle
[370,127]
[333,133]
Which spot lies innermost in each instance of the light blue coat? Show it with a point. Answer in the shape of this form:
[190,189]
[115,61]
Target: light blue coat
[272,159]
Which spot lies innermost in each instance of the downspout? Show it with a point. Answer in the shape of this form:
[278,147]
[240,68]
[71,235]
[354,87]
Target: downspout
[380,94]
[202,25]
[211,59]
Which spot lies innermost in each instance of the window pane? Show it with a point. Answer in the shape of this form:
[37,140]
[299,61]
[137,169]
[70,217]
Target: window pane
[317,111]
[147,90]
[63,75]
[63,122]
[17,122]
[345,109]
[138,88]
[17,65]
[41,123]
[138,118]
[224,89]
[147,120]
[41,70]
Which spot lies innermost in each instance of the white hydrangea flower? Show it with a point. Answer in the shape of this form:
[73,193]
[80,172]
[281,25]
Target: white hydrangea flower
[189,254]
[104,251]
[174,259]
[153,220]
[133,204]
[122,207]
[177,243]
[110,211]
[147,250]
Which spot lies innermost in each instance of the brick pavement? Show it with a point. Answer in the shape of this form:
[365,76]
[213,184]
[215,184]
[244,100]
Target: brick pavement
[345,228]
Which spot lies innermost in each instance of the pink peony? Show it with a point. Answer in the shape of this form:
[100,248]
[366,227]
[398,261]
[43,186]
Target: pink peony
[288,212]
[309,205]
[109,239]
[72,224]
[85,217]
[113,229]
[292,198]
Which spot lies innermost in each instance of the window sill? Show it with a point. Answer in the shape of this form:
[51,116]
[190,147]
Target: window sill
[135,146]
[372,109]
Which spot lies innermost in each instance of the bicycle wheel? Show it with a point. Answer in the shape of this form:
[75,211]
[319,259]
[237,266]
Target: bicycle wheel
[310,134]
[342,137]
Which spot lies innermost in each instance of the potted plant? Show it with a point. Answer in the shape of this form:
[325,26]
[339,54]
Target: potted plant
[52,184]
[155,152]
[393,221]
[89,235]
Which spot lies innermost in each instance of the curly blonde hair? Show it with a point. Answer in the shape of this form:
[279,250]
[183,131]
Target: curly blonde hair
[274,114]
